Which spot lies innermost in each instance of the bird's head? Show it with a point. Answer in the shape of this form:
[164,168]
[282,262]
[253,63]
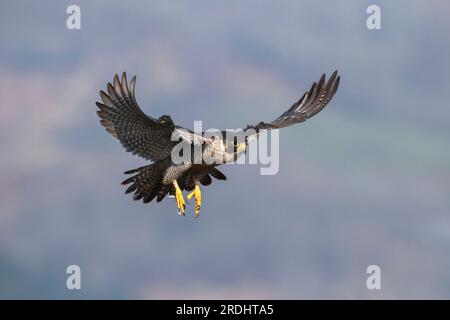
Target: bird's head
[234,145]
[165,120]
[239,147]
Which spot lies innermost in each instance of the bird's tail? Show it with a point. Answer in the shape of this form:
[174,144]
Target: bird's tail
[146,183]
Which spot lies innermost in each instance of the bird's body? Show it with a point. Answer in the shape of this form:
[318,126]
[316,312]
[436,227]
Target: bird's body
[182,159]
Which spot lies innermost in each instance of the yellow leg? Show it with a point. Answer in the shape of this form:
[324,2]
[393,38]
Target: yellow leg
[198,197]
[181,204]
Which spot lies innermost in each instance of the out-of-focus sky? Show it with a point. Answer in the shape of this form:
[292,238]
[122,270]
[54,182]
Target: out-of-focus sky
[367,181]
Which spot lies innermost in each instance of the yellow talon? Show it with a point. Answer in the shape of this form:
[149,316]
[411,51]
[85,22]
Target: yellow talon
[181,204]
[197,194]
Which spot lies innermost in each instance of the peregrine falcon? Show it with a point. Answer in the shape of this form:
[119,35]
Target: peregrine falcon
[154,139]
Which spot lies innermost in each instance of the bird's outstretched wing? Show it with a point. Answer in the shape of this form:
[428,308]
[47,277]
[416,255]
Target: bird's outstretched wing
[139,134]
[311,103]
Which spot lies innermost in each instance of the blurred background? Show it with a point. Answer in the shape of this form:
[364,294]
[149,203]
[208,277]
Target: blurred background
[367,181]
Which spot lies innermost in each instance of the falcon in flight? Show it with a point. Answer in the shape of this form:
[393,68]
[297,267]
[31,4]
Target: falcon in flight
[154,139]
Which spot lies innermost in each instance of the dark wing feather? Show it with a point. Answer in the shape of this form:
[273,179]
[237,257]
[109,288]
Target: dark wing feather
[217,174]
[311,103]
[205,180]
[123,118]
[186,182]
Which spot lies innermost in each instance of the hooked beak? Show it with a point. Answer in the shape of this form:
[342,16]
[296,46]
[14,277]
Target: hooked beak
[241,147]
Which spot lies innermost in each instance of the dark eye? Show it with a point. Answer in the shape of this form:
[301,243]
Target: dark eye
[235,141]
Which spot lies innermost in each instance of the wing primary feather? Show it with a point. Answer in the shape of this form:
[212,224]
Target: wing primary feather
[311,102]
[138,133]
